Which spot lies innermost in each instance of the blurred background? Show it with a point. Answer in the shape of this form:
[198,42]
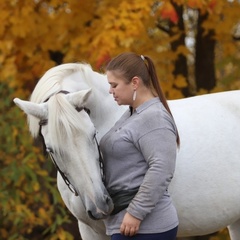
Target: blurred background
[194,43]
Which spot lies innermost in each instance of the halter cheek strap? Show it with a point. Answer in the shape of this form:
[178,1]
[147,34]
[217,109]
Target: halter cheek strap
[50,152]
[64,177]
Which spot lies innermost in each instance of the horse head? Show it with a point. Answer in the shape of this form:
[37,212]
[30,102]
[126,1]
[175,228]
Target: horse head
[69,137]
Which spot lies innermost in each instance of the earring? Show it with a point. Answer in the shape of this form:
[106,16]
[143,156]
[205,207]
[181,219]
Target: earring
[134,95]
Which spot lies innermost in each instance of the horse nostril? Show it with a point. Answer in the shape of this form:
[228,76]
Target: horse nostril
[91,215]
[108,200]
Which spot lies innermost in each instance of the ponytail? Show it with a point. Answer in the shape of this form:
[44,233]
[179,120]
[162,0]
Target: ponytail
[157,87]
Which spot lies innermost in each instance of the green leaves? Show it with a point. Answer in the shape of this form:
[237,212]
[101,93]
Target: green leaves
[29,199]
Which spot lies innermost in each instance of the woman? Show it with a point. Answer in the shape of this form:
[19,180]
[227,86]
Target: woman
[139,153]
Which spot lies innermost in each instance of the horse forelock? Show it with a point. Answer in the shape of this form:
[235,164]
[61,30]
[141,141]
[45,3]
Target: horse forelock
[63,123]
[50,84]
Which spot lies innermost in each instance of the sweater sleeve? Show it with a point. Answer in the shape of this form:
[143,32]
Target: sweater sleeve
[158,148]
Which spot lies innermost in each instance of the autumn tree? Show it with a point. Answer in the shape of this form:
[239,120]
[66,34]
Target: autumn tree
[211,21]
[170,21]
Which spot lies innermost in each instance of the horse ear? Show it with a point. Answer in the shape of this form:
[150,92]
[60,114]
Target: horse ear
[38,110]
[79,98]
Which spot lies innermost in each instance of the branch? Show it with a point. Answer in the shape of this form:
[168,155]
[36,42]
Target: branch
[162,28]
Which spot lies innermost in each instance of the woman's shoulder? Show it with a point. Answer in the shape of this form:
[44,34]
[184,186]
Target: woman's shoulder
[154,111]
[154,117]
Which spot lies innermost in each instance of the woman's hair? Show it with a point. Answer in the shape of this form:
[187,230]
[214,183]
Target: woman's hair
[129,65]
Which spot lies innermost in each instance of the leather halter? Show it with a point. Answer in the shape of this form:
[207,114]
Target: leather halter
[50,152]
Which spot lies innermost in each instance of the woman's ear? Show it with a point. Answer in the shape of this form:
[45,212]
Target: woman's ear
[135,82]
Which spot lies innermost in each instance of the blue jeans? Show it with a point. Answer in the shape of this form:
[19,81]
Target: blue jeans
[169,235]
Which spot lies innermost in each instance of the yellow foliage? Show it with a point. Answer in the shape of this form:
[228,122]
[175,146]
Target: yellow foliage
[61,235]
[44,215]
[31,32]
[180,82]
[183,50]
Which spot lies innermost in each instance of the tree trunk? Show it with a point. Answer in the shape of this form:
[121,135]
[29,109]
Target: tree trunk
[180,65]
[204,60]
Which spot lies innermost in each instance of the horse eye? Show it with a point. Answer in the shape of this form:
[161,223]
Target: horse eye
[49,150]
[95,134]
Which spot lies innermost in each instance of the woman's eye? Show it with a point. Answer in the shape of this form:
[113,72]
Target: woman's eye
[113,85]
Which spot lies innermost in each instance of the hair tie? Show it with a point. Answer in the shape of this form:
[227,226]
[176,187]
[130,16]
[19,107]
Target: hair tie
[142,57]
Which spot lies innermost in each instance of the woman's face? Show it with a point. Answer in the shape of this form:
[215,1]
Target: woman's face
[121,91]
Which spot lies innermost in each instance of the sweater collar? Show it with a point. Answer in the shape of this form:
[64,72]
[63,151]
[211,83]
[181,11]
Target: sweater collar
[145,105]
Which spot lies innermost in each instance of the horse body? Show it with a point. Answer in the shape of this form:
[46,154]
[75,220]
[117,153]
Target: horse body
[206,185]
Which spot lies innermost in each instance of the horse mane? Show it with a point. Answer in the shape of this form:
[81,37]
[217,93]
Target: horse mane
[51,83]
[63,123]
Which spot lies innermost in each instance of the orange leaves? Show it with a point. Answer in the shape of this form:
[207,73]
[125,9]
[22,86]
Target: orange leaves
[195,3]
[203,5]
[89,31]
[120,25]
[167,11]
[28,31]
[102,60]
[212,4]
[3,19]
[19,17]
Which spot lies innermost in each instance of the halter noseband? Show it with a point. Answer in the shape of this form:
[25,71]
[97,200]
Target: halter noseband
[50,152]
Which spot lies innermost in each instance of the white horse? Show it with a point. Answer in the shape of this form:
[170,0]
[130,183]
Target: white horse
[206,186]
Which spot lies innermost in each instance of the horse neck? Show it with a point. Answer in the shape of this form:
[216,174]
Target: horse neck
[105,115]
[104,110]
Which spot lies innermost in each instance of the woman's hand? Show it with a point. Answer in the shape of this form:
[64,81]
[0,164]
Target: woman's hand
[130,225]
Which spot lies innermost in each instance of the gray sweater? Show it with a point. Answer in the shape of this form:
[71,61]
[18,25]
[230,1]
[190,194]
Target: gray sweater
[140,151]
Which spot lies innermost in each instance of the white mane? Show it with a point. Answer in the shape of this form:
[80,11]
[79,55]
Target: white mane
[51,83]
[63,123]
